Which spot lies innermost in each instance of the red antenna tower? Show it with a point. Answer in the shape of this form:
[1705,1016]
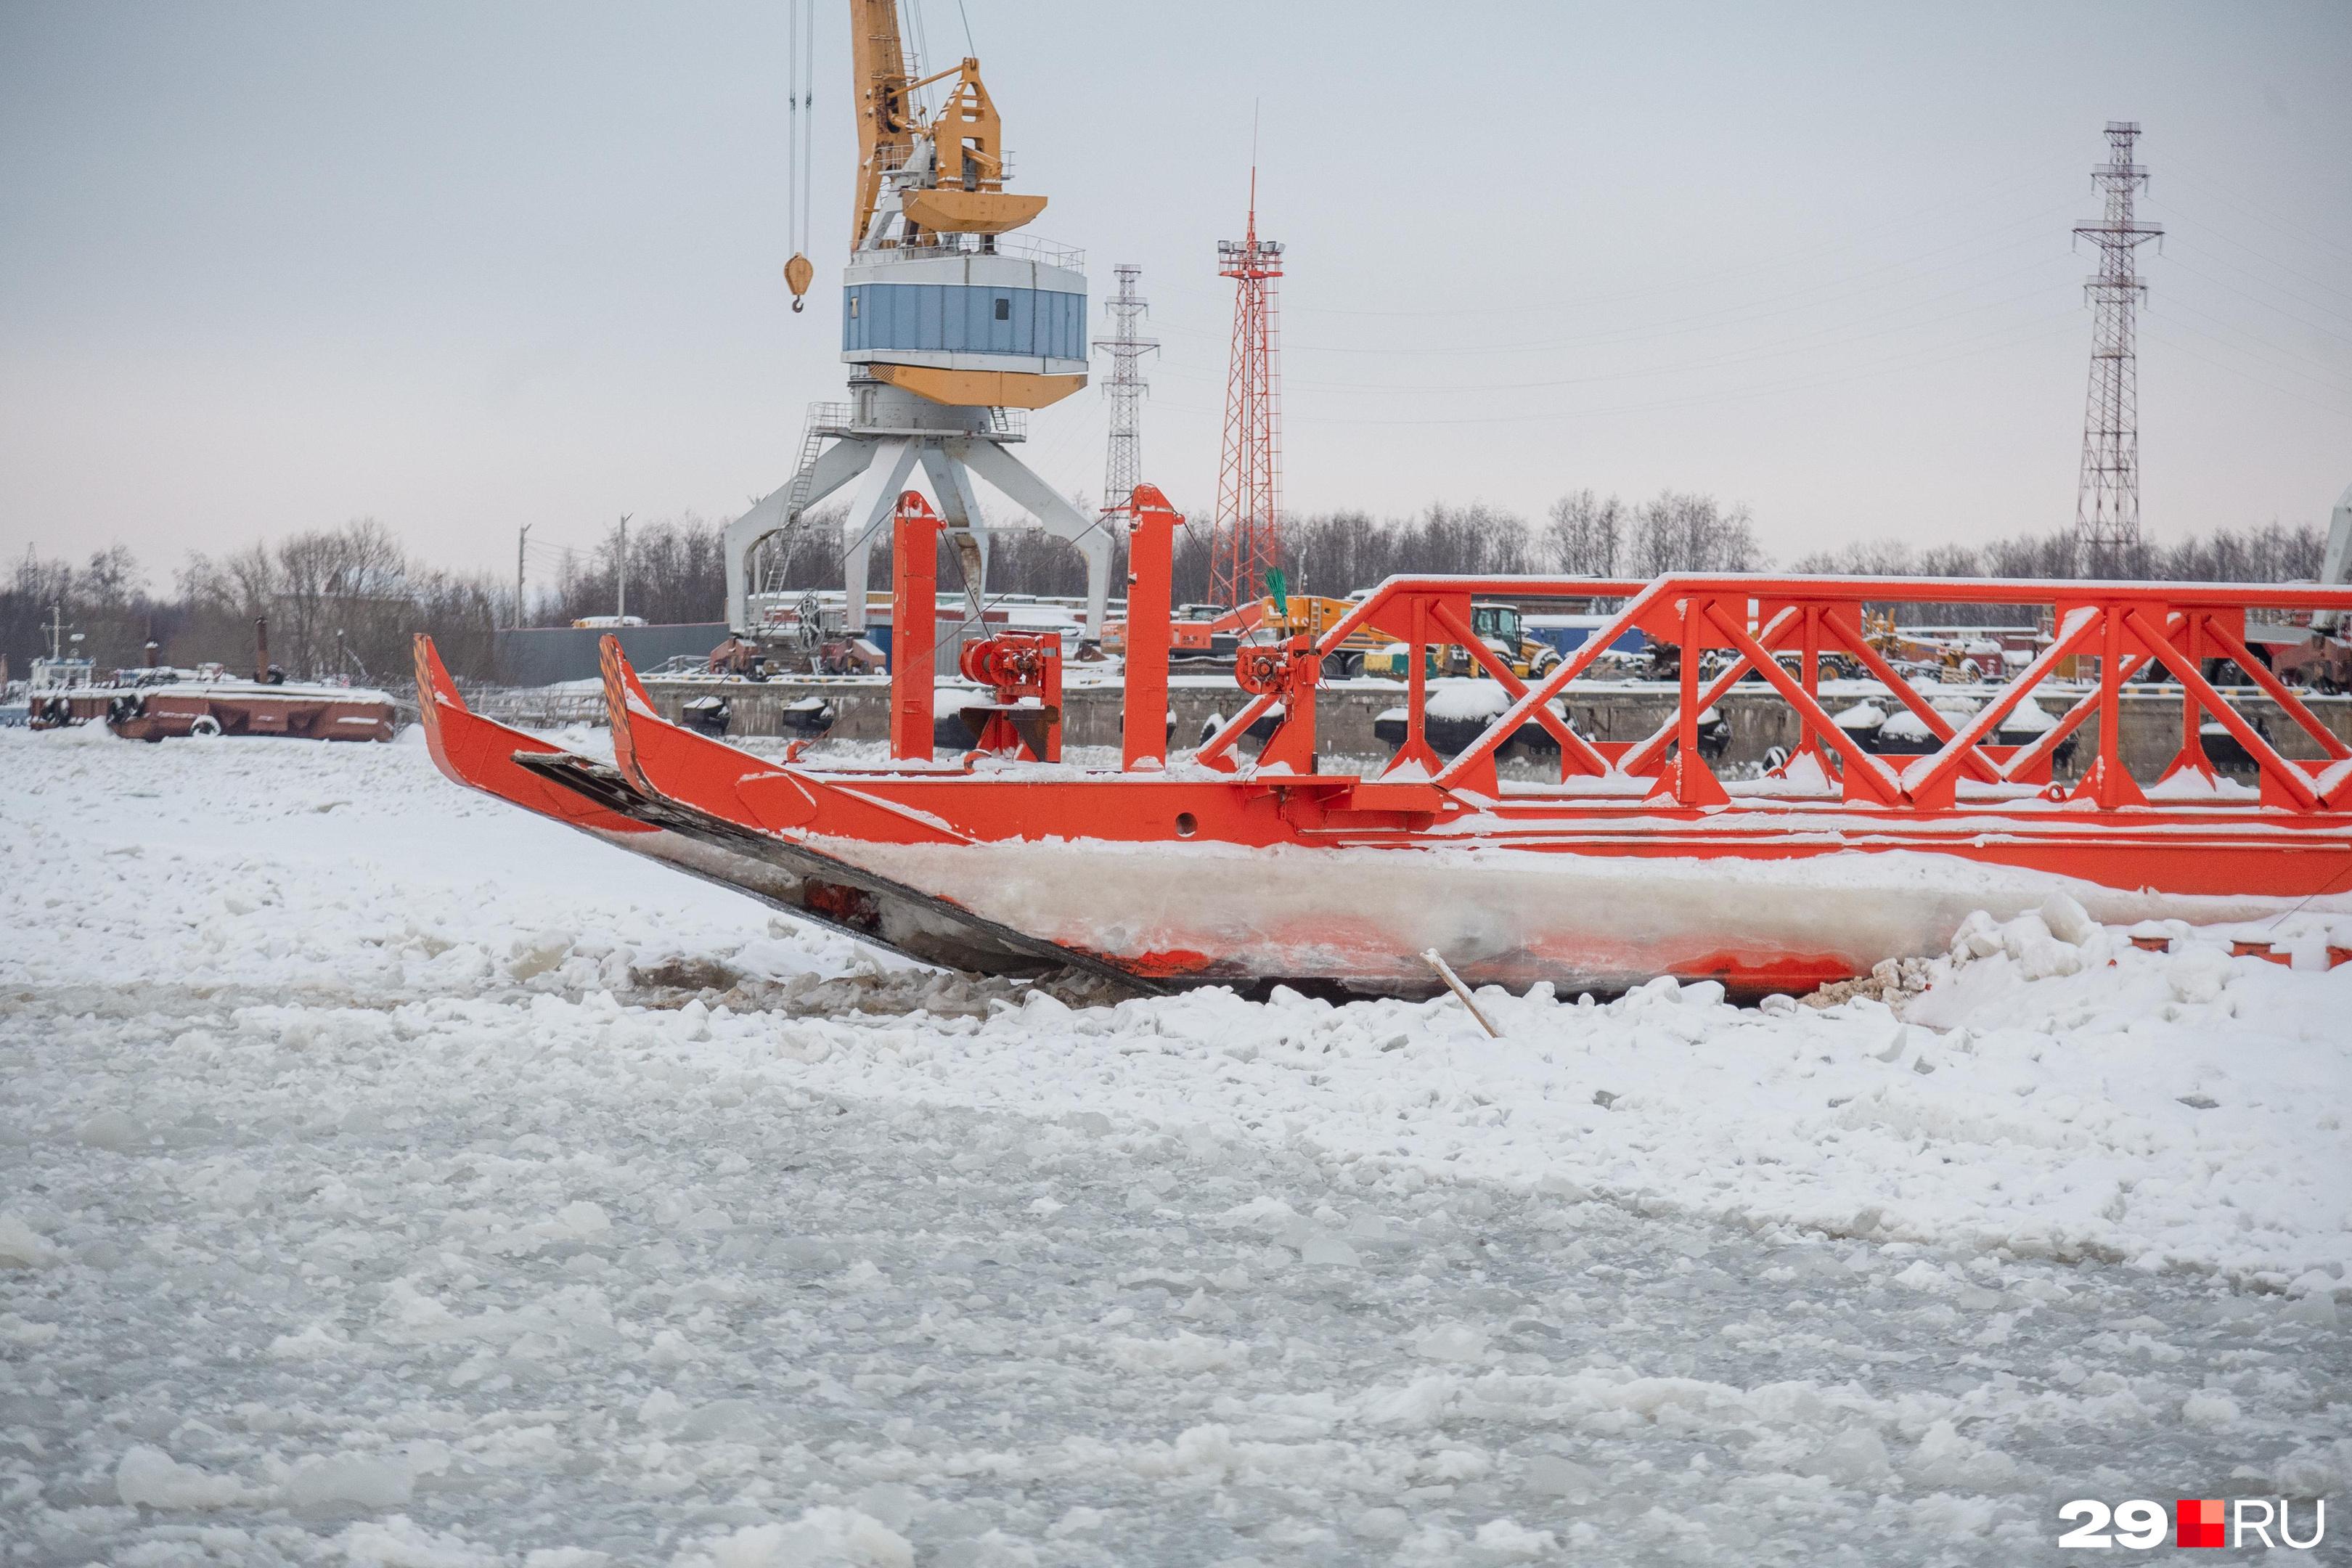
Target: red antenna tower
[1248,540]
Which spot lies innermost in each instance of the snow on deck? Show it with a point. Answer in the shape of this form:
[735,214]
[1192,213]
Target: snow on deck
[389,1176]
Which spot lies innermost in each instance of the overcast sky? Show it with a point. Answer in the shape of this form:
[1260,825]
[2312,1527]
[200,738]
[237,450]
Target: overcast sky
[462,267]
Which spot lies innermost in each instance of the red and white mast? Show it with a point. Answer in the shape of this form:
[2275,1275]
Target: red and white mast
[1247,540]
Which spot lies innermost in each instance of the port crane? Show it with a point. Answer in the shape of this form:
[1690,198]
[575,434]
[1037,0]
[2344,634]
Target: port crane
[952,327]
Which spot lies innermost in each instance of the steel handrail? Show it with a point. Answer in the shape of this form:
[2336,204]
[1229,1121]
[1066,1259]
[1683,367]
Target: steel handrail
[2128,620]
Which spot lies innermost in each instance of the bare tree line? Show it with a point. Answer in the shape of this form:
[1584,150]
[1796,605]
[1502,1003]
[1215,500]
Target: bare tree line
[2265,552]
[340,602]
[343,601]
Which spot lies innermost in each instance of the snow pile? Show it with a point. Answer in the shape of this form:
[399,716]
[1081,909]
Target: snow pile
[1465,700]
[2059,1092]
[338,871]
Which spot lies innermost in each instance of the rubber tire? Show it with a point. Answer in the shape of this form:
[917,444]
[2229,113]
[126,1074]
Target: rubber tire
[205,726]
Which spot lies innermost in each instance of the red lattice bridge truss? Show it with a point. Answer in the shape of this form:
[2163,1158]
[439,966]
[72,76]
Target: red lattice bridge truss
[1637,860]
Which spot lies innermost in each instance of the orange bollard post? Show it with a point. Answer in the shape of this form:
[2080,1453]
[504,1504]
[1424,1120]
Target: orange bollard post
[1150,550]
[914,626]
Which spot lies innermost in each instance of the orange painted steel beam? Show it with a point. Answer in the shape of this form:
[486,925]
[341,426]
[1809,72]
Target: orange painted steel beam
[1849,636]
[479,753]
[1646,753]
[1573,747]
[2291,779]
[1150,572]
[2237,653]
[914,626]
[1860,768]
[1644,598]
[1940,766]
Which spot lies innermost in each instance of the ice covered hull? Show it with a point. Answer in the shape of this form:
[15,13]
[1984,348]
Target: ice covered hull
[1360,918]
[1196,877]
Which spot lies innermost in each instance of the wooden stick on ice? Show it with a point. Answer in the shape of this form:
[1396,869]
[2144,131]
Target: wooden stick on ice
[1454,983]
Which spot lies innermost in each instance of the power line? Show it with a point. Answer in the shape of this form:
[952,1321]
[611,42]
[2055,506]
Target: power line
[1746,269]
[2173,214]
[2245,211]
[1802,342]
[1835,290]
[2162,335]
[2252,297]
[2265,343]
[2242,347]
[1909,359]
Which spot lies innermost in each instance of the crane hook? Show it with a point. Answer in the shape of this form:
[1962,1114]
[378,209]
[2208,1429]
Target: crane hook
[798,275]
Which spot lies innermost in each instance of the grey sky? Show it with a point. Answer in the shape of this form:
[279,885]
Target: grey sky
[464,266]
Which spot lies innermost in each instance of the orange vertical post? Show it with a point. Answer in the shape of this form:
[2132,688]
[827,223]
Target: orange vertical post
[1811,678]
[2192,712]
[1416,693]
[914,626]
[2111,719]
[1686,738]
[1151,551]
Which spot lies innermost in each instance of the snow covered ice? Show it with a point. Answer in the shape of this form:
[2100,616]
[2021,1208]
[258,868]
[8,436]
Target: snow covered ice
[389,1176]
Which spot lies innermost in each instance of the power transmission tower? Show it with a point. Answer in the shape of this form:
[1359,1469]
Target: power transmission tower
[2107,509]
[1123,463]
[1247,543]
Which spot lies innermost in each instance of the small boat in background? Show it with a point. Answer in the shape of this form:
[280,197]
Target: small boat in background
[158,701]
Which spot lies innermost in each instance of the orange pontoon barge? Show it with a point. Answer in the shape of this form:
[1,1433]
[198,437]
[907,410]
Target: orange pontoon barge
[1636,860]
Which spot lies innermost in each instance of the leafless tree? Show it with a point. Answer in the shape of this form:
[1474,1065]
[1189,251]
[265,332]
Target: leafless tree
[1682,531]
[1586,534]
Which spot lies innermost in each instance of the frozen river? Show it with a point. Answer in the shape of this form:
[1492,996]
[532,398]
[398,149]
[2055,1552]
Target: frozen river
[389,1178]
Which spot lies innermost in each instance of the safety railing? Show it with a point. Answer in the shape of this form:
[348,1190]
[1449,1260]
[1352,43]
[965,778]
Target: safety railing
[1025,248]
[1766,625]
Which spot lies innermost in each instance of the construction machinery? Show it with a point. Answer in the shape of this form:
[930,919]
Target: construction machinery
[1500,627]
[951,325]
[1310,616]
[1636,859]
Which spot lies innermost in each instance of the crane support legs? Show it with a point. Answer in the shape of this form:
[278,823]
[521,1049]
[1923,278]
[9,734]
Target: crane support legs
[886,463]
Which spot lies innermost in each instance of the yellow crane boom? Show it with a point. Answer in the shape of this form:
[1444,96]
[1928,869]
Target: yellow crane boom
[931,303]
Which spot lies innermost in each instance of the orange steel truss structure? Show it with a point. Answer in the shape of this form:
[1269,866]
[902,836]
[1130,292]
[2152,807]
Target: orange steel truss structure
[1636,860]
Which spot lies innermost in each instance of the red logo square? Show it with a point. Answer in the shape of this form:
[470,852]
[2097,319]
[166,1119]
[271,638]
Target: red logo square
[2197,1522]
